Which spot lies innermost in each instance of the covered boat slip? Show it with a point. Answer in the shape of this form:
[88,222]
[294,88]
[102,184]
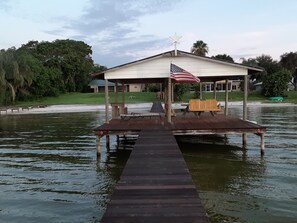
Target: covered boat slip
[155,185]
[156,69]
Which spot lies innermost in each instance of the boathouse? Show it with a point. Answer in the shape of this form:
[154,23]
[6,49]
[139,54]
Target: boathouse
[156,69]
[155,185]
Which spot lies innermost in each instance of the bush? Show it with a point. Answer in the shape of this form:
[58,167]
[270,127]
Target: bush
[276,84]
[179,90]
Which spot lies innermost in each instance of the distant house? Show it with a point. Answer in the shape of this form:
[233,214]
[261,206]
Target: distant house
[233,85]
[99,86]
[136,87]
[258,86]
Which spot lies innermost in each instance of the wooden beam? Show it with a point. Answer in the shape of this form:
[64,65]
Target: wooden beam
[244,109]
[123,93]
[215,90]
[98,146]
[116,93]
[106,102]
[245,97]
[262,144]
[226,97]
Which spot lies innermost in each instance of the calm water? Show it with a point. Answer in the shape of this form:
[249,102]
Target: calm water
[49,171]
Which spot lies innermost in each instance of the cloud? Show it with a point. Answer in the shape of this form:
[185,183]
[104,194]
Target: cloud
[5,5]
[111,27]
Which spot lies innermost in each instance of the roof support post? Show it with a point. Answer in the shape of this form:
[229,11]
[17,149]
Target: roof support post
[245,96]
[262,144]
[226,97]
[172,92]
[215,90]
[106,101]
[116,92]
[169,100]
[123,93]
[200,89]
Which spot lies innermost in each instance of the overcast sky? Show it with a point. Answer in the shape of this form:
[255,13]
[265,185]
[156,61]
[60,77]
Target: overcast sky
[121,31]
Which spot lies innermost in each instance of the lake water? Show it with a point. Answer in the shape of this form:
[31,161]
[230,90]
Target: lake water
[49,171]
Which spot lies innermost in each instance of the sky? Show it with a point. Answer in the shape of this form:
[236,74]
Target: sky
[121,31]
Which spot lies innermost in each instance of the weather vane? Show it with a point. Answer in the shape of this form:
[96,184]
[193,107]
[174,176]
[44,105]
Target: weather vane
[175,40]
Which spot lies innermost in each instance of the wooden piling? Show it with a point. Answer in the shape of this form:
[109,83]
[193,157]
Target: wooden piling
[107,142]
[98,146]
[262,144]
[244,140]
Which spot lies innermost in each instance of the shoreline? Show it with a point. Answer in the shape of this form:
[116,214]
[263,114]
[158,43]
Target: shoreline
[71,108]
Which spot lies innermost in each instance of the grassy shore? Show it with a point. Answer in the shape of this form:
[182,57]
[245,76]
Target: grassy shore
[139,97]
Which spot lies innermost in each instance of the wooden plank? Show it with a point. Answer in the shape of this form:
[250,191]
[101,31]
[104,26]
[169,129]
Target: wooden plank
[211,124]
[155,185]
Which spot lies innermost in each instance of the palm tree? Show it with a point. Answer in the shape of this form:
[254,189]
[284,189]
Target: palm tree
[199,48]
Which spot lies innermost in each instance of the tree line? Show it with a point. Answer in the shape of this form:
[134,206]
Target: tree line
[276,75]
[40,69]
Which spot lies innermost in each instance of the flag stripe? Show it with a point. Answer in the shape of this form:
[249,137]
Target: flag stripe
[180,75]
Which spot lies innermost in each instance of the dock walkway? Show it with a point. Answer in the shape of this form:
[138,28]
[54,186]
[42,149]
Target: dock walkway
[155,185]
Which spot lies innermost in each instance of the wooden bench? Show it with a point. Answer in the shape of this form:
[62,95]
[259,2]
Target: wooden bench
[198,106]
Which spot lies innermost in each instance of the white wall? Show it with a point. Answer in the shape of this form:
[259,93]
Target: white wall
[159,67]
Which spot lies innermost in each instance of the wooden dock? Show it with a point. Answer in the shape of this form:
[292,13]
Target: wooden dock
[155,185]
[206,124]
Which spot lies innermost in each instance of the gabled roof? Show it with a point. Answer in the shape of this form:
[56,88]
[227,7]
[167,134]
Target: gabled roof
[204,67]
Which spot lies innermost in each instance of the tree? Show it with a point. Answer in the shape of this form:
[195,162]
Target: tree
[224,57]
[277,83]
[16,76]
[72,58]
[289,61]
[40,69]
[268,63]
[180,89]
[264,61]
[199,48]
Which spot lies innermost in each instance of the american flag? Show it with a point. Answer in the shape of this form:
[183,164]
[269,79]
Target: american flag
[180,75]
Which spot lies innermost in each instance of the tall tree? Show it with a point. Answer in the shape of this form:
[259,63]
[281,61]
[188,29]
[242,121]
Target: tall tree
[276,84]
[72,58]
[289,61]
[224,57]
[16,76]
[199,48]
[268,63]
[264,61]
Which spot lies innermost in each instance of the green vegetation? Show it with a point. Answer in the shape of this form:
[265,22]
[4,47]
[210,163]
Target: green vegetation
[36,71]
[275,78]
[199,48]
[92,98]
[41,69]
[139,97]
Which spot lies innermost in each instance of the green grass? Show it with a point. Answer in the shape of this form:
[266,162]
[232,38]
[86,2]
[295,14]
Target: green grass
[233,96]
[92,98]
[138,97]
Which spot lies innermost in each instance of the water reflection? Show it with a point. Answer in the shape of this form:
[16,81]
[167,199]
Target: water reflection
[49,171]
[238,185]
